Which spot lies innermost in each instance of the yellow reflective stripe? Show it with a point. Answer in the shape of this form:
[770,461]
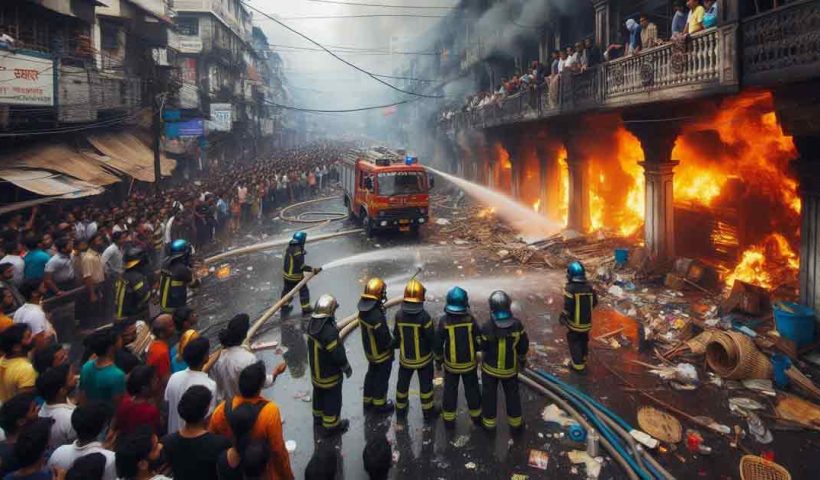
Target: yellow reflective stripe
[330,346]
[415,364]
[177,283]
[428,324]
[139,285]
[426,395]
[327,382]
[488,422]
[471,342]
[452,332]
[374,355]
[502,353]
[165,288]
[379,402]
[380,358]
[515,421]
[316,373]
[475,413]
[499,373]
[402,394]
[427,405]
[120,297]
[448,416]
[293,278]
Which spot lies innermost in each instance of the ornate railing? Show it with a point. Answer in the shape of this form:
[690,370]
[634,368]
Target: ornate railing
[782,44]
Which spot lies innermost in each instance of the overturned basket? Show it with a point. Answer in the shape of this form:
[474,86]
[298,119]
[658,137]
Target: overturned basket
[734,356]
[753,467]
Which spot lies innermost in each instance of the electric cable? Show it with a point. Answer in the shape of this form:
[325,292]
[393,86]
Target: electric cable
[383,5]
[352,65]
[373,15]
[349,110]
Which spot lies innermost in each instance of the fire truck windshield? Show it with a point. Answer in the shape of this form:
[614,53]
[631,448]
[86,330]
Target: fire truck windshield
[401,183]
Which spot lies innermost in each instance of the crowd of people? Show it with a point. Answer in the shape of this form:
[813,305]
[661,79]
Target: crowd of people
[690,17]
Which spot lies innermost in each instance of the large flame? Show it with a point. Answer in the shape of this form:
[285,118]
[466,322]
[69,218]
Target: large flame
[769,264]
[563,173]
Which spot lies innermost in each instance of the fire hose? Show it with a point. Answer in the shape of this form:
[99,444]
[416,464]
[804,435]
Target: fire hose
[327,216]
[271,244]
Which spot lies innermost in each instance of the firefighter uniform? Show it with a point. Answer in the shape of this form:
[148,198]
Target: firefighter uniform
[174,279]
[294,269]
[579,300]
[378,346]
[505,344]
[457,340]
[414,336]
[328,361]
[132,291]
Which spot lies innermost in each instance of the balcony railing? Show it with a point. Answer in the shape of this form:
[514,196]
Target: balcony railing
[704,64]
[782,44]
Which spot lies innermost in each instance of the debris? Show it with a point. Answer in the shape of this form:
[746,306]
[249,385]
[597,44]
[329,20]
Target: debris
[442,221]
[576,433]
[290,446]
[758,430]
[746,403]
[223,272]
[674,281]
[539,459]
[470,465]
[766,387]
[264,345]
[250,268]
[553,414]
[803,383]
[754,467]
[746,298]
[592,465]
[791,407]
[734,356]
[616,291]
[660,424]
[460,441]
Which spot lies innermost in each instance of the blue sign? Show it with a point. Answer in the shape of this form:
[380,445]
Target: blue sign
[191,128]
[171,115]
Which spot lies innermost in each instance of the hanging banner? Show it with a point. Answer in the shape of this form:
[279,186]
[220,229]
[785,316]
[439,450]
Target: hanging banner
[26,80]
[221,117]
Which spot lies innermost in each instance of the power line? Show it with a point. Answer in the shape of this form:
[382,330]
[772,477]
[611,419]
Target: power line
[372,15]
[351,65]
[353,52]
[383,5]
[348,110]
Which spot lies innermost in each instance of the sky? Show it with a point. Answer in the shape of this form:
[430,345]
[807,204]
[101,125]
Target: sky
[317,80]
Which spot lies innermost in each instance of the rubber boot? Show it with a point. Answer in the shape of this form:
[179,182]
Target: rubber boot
[431,414]
[388,407]
[339,429]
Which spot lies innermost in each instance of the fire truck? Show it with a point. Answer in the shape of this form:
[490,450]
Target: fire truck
[385,190]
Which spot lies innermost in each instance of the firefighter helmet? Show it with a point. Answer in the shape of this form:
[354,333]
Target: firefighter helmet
[325,307]
[133,256]
[180,248]
[576,272]
[374,292]
[501,309]
[299,238]
[413,297]
[457,301]
[184,340]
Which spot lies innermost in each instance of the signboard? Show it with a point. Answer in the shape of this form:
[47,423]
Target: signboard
[26,80]
[189,44]
[191,128]
[221,118]
[171,115]
[188,92]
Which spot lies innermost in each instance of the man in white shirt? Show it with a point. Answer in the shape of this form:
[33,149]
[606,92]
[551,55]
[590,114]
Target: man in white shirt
[53,385]
[234,358]
[88,422]
[13,257]
[32,314]
[112,256]
[195,355]
[59,272]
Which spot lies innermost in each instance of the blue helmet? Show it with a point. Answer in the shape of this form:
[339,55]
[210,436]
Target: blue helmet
[457,301]
[576,272]
[299,237]
[179,245]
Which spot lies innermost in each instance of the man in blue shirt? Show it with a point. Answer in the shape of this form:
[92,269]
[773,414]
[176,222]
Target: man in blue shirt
[36,258]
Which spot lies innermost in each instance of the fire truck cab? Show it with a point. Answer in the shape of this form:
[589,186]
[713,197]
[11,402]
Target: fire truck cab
[385,190]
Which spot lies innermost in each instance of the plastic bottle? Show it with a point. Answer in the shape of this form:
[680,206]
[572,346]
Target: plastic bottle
[592,443]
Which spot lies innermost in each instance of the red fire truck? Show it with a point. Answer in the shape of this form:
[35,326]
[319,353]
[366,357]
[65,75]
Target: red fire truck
[386,190]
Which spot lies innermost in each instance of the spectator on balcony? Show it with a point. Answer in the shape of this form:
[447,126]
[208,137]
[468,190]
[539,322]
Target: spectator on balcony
[556,59]
[562,61]
[634,29]
[694,21]
[649,33]
[710,18]
[572,62]
[593,53]
[679,20]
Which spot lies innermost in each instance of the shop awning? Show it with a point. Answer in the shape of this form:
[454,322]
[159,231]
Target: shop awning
[139,172]
[131,155]
[47,183]
[60,158]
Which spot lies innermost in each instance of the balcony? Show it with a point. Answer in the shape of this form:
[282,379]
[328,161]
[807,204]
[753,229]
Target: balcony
[704,65]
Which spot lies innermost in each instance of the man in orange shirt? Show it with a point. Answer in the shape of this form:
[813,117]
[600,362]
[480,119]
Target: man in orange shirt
[159,355]
[268,425]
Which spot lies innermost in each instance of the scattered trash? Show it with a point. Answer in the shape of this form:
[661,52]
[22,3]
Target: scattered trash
[460,441]
[442,221]
[616,291]
[290,446]
[758,430]
[660,424]
[470,465]
[756,468]
[766,387]
[576,433]
[592,443]
[223,272]
[593,466]
[264,345]
[250,268]
[553,414]
[746,403]
[539,459]
[797,410]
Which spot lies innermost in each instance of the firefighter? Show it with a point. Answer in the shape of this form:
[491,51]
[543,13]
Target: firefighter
[414,336]
[132,290]
[505,344]
[294,271]
[579,300]
[327,363]
[378,346]
[175,277]
[457,340]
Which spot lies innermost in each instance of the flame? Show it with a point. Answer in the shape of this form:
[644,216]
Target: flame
[485,212]
[536,206]
[563,172]
[767,264]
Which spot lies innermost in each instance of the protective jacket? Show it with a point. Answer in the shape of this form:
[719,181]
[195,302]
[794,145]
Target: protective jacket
[414,336]
[325,352]
[457,340]
[132,294]
[173,285]
[376,339]
[579,300]
[504,348]
[294,267]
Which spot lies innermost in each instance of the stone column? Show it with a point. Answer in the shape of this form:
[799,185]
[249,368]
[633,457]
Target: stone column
[602,22]
[659,210]
[578,216]
[808,168]
[514,150]
[549,179]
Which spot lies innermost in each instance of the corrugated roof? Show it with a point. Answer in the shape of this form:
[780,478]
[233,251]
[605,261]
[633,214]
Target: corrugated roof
[61,158]
[131,154]
[47,183]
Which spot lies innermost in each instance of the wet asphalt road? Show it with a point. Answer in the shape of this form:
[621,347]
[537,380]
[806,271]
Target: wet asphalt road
[424,450]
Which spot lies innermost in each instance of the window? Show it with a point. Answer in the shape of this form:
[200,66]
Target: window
[401,183]
[108,36]
[188,26]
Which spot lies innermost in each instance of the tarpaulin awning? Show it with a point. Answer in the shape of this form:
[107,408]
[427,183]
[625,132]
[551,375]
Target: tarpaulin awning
[139,172]
[131,154]
[47,183]
[61,158]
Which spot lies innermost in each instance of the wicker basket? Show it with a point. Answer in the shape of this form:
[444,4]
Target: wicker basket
[734,356]
[753,467]
[698,343]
